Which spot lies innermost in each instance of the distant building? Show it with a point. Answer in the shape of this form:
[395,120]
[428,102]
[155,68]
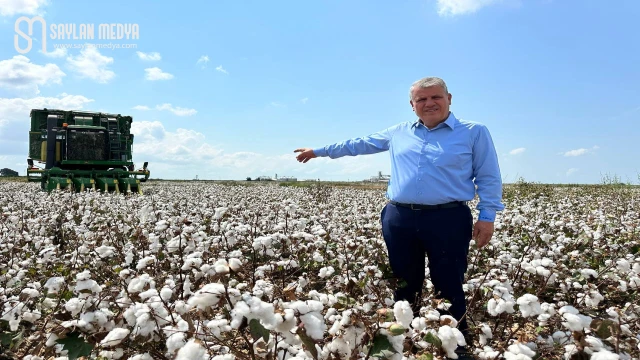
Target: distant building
[8,172]
[288,178]
[379,178]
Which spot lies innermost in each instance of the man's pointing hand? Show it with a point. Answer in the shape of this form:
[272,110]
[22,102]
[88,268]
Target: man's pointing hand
[305,155]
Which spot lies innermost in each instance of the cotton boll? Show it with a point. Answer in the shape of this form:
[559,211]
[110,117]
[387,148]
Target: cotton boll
[403,313]
[175,341]
[115,337]
[209,295]
[486,334]
[529,305]
[451,338]
[488,353]
[604,355]
[166,293]
[54,284]
[519,351]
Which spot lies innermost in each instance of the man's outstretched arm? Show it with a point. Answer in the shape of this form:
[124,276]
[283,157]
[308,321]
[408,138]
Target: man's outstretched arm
[370,144]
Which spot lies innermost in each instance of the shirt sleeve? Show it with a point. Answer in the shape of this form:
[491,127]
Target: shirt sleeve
[486,172]
[370,144]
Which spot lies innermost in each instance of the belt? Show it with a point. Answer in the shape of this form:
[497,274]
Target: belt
[430,207]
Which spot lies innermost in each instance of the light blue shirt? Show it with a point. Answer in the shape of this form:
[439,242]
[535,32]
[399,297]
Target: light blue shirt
[434,166]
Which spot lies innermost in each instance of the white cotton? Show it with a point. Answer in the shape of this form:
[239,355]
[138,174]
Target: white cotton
[166,293]
[403,313]
[604,355]
[519,351]
[529,305]
[419,323]
[192,350]
[32,293]
[326,271]
[451,338]
[497,307]
[139,283]
[209,295]
[486,334]
[145,356]
[586,273]
[488,353]
[314,325]
[235,264]
[575,321]
[175,341]
[623,266]
[54,284]
[144,262]
[115,337]
[593,299]
[221,266]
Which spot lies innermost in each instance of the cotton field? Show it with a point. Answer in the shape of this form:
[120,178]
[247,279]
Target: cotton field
[196,270]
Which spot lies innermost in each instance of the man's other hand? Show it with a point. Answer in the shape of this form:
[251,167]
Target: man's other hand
[305,155]
[482,232]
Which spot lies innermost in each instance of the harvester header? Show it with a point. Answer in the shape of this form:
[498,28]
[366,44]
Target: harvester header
[83,150]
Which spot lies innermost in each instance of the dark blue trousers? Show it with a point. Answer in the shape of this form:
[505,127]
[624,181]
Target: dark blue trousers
[443,235]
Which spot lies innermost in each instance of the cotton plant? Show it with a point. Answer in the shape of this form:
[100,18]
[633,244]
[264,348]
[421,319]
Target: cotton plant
[203,269]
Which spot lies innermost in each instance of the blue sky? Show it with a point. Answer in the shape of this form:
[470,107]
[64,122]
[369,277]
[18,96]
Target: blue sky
[228,89]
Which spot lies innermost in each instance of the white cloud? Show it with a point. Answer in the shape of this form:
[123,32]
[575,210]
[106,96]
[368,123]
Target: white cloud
[13,7]
[581,151]
[93,65]
[184,153]
[517,151]
[203,59]
[152,56]
[19,73]
[219,68]
[461,7]
[571,171]
[179,111]
[304,100]
[155,73]
[576,152]
[141,107]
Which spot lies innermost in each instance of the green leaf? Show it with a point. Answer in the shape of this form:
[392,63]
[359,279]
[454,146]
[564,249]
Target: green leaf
[433,339]
[426,357]
[382,348]
[308,342]
[257,330]
[75,346]
[6,338]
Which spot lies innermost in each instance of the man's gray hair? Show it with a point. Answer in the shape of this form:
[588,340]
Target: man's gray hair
[427,82]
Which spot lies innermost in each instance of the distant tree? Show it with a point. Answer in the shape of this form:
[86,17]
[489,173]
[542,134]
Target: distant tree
[248,178]
[8,172]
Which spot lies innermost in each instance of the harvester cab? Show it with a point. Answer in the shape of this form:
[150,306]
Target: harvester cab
[83,150]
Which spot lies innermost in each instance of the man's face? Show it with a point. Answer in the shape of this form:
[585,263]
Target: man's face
[431,104]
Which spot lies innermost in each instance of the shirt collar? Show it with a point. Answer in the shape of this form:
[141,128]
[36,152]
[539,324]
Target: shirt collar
[451,122]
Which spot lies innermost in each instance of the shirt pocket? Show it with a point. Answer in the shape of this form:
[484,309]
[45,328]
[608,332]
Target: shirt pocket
[454,156]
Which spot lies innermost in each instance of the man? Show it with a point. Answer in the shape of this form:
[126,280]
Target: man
[436,163]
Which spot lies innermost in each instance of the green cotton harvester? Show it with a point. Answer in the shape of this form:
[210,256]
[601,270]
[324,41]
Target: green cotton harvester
[83,150]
